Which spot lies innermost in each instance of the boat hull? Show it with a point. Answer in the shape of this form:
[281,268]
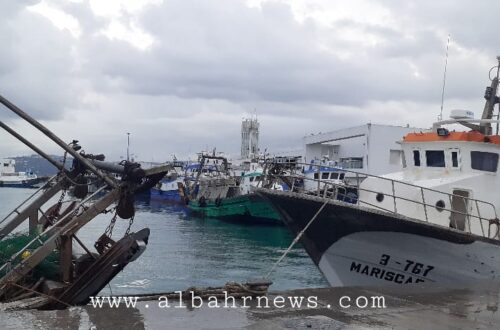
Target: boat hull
[353,245]
[249,208]
[167,196]
[26,183]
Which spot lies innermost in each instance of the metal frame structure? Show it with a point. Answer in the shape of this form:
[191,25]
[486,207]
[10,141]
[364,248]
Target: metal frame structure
[60,232]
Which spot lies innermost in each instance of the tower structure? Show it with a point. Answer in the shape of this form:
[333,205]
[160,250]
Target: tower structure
[249,138]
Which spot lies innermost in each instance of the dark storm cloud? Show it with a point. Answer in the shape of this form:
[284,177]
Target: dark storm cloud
[213,61]
[40,74]
[237,53]
[229,51]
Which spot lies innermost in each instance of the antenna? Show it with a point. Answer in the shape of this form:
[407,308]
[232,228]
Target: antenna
[440,117]
[498,74]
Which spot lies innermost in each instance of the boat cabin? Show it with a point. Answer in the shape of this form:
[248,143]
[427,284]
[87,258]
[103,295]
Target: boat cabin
[325,170]
[448,178]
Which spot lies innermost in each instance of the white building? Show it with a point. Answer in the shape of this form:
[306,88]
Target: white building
[8,166]
[370,148]
[249,138]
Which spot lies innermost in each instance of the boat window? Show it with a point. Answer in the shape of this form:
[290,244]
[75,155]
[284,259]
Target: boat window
[316,176]
[352,162]
[434,158]
[334,176]
[341,176]
[324,176]
[416,157]
[454,158]
[251,179]
[484,161]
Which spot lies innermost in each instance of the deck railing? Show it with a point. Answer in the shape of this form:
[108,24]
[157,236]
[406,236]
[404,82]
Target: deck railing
[350,192]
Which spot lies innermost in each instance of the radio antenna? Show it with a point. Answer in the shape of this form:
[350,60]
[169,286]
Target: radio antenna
[444,79]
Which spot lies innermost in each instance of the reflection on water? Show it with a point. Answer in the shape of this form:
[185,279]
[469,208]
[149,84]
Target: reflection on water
[74,318]
[186,251]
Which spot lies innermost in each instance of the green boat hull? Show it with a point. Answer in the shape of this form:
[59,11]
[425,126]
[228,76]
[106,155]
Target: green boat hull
[248,208]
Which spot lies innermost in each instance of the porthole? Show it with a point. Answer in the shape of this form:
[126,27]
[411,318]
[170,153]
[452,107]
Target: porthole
[440,205]
[379,197]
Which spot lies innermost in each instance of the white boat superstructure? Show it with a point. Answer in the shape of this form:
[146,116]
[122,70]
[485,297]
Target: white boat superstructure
[10,178]
[435,221]
[253,177]
[449,180]
[250,177]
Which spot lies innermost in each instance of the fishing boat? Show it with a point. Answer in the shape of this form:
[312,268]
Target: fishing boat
[184,174]
[226,196]
[435,221]
[167,190]
[10,178]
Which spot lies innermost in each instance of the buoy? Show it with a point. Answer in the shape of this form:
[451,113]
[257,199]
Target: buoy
[26,254]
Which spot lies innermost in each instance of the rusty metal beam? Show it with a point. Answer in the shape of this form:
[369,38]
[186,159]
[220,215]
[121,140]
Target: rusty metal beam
[30,209]
[33,222]
[158,169]
[32,146]
[66,255]
[57,140]
[37,256]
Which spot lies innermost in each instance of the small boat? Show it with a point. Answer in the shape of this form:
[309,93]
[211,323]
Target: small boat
[167,190]
[10,178]
[433,222]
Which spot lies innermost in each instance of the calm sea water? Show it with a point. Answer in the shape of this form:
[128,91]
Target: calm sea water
[185,251]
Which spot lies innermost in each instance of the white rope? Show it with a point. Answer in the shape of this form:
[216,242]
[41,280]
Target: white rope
[299,235]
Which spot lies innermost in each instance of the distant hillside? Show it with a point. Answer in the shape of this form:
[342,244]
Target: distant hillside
[38,165]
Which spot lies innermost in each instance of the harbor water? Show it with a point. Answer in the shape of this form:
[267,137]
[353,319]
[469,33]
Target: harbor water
[185,251]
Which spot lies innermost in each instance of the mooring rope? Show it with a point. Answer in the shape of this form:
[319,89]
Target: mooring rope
[299,235]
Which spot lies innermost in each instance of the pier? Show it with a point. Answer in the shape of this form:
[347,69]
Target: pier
[417,307]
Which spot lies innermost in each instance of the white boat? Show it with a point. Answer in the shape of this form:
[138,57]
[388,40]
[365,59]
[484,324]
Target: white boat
[325,170]
[252,176]
[435,221]
[10,178]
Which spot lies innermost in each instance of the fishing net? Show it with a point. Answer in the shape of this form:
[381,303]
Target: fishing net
[48,268]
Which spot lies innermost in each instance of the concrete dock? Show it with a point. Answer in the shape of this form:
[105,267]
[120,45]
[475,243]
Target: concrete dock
[414,308]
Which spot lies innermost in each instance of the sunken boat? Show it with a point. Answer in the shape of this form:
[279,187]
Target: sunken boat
[40,268]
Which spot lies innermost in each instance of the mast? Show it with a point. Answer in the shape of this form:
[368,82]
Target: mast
[491,99]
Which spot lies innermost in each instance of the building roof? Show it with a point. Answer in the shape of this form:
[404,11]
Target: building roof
[351,132]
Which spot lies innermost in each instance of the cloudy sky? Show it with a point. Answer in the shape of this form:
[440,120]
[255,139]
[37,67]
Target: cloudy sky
[179,75]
